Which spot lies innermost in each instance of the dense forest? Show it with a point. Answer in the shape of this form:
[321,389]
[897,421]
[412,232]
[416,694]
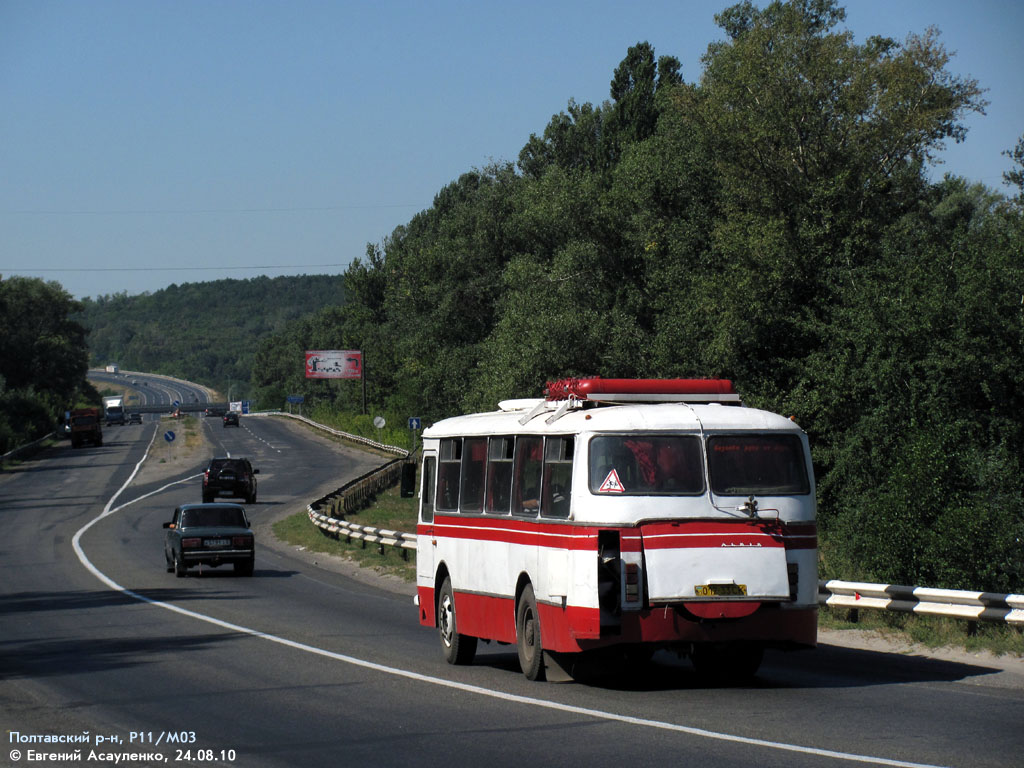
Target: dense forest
[203,332]
[773,222]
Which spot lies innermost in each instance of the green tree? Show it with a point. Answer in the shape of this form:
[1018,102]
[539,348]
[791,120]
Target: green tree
[1015,176]
[41,347]
[817,142]
[917,401]
[43,357]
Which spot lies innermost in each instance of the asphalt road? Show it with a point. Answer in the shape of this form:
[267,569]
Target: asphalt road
[304,665]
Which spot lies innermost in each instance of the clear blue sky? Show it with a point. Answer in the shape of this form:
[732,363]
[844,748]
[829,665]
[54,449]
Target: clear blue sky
[144,143]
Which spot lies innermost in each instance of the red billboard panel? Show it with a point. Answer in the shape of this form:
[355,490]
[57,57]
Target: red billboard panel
[334,364]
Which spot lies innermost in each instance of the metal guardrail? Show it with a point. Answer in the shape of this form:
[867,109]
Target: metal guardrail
[327,512]
[355,494]
[380,536]
[24,450]
[338,433]
[952,603]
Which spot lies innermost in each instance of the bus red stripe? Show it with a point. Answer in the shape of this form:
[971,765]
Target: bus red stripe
[674,535]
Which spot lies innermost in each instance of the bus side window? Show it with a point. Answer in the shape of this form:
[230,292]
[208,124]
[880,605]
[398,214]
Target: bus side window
[558,456]
[474,461]
[427,494]
[450,465]
[527,476]
[499,475]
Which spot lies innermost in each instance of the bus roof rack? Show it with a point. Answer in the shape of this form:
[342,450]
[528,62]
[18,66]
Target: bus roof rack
[598,390]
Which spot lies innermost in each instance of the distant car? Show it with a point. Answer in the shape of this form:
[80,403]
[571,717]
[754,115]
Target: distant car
[135,418]
[231,419]
[209,534]
[230,477]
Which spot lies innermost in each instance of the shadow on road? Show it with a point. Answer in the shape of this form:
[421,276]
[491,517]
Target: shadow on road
[826,667]
[41,658]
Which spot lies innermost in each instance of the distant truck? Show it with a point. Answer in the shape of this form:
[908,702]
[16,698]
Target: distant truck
[112,368]
[113,410]
[85,427]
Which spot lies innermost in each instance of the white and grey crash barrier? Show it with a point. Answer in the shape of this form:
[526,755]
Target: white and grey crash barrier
[951,603]
[404,542]
[338,433]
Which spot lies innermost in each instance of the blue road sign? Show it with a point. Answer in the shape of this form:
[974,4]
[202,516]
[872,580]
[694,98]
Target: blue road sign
[414,422]
[169,436]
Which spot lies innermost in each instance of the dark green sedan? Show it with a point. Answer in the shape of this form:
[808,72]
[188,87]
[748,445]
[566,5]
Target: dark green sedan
[209,534]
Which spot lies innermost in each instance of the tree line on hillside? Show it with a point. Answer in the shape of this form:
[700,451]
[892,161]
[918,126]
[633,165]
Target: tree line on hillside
[773,224]
[202,332]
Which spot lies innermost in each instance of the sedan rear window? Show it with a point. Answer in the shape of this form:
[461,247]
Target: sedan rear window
[759,465]
[212,517]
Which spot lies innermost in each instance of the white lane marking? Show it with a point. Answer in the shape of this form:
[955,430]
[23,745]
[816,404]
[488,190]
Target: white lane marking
[262,440]
[270,445]
[598,714]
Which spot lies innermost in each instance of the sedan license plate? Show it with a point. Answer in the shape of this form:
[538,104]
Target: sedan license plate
[720,590]
[217,542]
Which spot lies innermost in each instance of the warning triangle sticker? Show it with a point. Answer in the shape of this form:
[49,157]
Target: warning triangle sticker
[611,484]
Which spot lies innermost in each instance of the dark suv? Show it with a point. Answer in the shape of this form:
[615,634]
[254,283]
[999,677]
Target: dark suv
[230,477]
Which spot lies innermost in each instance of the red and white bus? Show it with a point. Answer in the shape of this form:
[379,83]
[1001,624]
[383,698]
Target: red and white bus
[642,514]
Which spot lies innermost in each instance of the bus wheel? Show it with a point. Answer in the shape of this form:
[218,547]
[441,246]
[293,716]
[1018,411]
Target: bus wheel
[727,663]
[531,655]
[458,649]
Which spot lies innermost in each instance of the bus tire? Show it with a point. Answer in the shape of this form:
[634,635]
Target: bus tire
[531,654]
[458,649]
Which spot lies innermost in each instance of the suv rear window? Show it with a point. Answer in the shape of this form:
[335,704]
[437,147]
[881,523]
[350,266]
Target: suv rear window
[237,465]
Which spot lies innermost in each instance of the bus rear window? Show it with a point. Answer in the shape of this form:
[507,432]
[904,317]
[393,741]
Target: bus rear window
[759,465]
[635,465]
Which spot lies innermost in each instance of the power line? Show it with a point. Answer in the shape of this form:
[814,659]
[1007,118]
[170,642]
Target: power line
[19,270]
[172,211]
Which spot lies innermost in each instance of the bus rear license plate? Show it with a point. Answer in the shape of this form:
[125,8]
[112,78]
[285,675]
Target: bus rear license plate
[720,590]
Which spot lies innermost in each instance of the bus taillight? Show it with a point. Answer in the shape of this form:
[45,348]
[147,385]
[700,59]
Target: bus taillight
[632,576]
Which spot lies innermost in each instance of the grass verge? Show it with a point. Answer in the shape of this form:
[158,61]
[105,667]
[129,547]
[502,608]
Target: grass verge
[390,511]
[930,631]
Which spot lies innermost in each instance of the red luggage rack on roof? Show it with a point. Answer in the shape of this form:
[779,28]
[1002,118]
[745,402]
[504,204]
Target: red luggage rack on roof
[598,390]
